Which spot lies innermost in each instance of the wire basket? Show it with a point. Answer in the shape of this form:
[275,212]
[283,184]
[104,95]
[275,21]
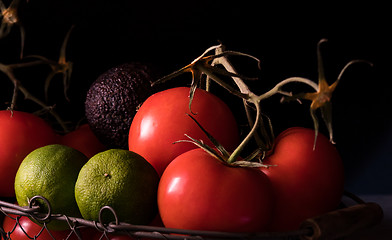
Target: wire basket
[332,225]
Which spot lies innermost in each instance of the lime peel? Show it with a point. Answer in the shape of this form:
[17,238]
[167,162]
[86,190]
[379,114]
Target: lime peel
[122,180]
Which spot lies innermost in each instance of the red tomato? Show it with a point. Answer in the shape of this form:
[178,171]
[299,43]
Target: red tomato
[84,140]
[199,192]
[306,182]
[26,226]
[20,133]
[162,120]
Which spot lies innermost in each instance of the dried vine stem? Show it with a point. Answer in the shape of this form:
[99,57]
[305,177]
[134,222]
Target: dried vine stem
[321,97]
[204,64]
[62,66]
[9,71]
[11,18]
[267,136]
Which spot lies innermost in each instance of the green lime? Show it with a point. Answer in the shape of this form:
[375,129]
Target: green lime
[51,172]
[122,180]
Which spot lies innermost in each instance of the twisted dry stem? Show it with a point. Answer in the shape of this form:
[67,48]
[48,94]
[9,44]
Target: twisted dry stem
[205,64]
[321,97]
[62,66]
[18,86]
[11,18]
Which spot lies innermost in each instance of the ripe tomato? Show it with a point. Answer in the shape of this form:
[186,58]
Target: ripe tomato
[199,192]
[84,140]
[306,182]
[30,228]
[20,133]
[162,120]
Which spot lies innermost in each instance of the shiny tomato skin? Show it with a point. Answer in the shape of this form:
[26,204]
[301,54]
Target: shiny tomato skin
[20,133]
[306,182]
[162,120]
[199,192]
[84,140]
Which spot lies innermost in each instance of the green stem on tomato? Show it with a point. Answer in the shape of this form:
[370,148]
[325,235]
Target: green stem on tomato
[244,89]
[255,99]
[236,153]
[224,61]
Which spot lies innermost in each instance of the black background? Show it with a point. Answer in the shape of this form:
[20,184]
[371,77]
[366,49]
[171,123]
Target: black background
[283,35]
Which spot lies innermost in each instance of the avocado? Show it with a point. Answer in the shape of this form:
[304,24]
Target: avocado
[113,99]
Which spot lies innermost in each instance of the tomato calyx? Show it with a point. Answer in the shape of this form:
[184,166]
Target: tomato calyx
[321,99]
[223,153]
[219,152]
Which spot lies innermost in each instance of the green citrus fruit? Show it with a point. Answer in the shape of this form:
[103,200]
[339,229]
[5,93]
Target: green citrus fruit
[51,172]
[122,180]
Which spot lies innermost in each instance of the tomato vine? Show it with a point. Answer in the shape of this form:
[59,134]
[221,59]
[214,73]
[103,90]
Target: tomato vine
[62,66]
[261,126]
[11,18]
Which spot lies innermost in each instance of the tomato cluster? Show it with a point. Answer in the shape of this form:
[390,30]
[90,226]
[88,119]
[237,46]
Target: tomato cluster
[201,192]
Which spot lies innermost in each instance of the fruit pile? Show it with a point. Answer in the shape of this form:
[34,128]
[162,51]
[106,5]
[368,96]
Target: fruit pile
[173,157]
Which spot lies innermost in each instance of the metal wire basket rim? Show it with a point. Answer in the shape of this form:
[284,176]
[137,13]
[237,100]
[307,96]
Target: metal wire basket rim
[149,231]
[139,229]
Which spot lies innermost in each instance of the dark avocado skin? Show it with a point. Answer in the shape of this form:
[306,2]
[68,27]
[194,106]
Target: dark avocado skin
[113,99]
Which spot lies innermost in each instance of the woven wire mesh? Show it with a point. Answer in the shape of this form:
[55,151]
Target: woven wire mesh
[83,229]
[79,228]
